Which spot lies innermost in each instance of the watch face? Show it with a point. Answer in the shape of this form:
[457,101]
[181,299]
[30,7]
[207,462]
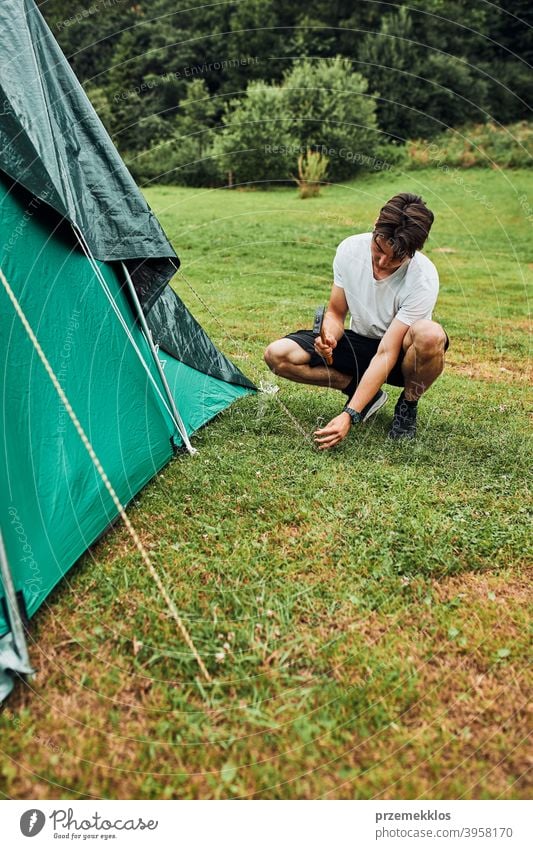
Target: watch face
[354,415]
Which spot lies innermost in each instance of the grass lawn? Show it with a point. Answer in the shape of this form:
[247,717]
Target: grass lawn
[369,606]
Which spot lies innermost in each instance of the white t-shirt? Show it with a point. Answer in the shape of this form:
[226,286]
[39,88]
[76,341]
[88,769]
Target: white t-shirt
[408,294]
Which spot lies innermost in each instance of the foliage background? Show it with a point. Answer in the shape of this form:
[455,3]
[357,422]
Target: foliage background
[190,92]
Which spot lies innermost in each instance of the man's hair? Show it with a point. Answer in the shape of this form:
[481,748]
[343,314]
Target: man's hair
[405,222]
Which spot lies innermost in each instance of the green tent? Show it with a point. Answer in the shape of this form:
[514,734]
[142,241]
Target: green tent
[90,266]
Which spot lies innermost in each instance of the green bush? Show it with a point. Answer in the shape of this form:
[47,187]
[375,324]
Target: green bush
[255,144]
[176,161]
[330,112]
[478,145]
[321,105]
[186,157]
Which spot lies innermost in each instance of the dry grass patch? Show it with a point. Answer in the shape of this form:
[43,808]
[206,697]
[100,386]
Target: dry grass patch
[498,371]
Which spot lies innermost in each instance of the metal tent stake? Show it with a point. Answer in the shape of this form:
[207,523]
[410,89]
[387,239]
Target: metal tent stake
[15,620]
[178,421]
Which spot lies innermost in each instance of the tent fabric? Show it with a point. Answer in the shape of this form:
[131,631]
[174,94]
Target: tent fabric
[54,504]
[64,191]
[180,335]
[53,143]
[59,149]
[10,663]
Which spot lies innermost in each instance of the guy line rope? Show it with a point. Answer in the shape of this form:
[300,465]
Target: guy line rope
[107,483]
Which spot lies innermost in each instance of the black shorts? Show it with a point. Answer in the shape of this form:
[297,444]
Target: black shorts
[352,355]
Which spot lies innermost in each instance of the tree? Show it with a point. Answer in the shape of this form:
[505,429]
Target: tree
[443,64]
[255,143]
[89,33]
[507,60]
[420,91]
[185,157]
[197,111]
[330,111]
[254,39]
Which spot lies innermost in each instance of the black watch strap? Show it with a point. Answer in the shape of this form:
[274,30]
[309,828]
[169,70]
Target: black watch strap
[354,415]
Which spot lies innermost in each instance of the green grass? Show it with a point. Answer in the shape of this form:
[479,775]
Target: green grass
[371,603]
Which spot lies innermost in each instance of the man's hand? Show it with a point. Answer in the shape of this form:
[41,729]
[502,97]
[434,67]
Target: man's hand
[334,432]
[325,344]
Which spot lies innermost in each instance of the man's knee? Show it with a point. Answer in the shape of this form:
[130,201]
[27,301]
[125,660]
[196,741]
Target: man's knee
[428,338]
[284,355]
[275,356]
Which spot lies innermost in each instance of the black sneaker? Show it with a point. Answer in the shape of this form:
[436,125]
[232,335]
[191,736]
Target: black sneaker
[404,421]
[379,399]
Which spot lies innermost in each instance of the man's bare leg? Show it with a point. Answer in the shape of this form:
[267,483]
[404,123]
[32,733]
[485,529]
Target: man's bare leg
[423,360]
[422,363]
[286,358]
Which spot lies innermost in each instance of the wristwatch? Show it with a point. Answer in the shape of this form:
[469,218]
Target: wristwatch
[354,415]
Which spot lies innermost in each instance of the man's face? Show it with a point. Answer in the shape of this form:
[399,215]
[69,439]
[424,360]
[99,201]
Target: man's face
[384,262]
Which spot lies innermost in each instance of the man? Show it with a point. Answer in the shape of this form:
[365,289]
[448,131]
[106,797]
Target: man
[389,289]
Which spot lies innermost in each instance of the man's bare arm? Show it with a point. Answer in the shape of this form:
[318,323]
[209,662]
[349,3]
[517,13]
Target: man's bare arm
[381,365]
[333,324]
[375,375]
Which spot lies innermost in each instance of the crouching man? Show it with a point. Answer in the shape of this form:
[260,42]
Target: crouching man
[390,289]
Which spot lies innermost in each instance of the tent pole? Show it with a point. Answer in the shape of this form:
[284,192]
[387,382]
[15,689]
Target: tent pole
[15,620]
[178,421]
